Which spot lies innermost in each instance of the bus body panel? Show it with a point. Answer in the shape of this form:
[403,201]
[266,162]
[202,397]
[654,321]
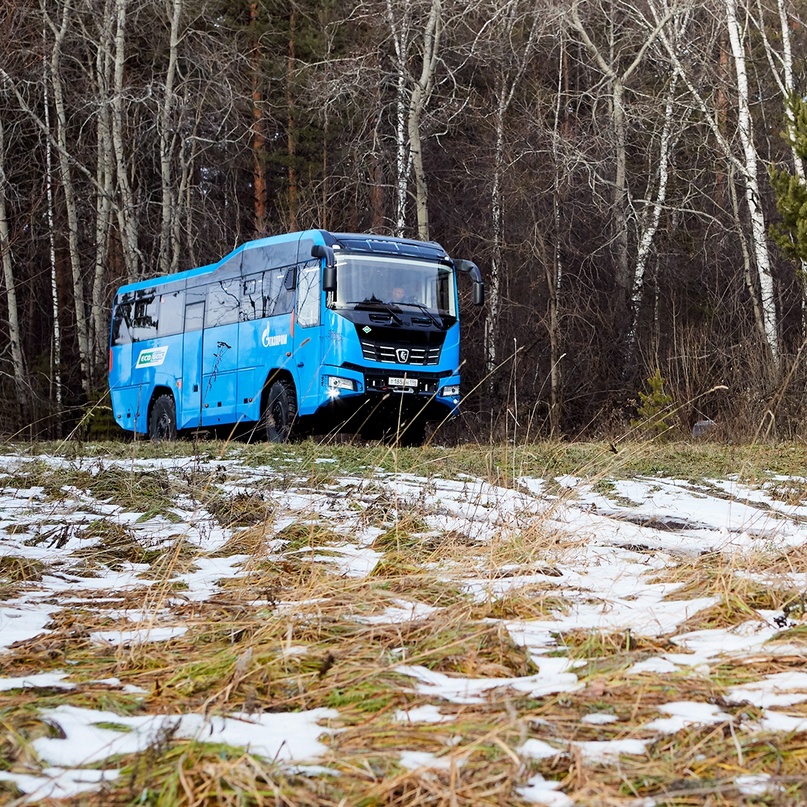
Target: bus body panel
[219,374]
[450,356]
[264,348]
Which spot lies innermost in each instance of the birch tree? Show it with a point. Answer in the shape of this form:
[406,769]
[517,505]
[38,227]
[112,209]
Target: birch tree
[126,208]
[59,33]
[258,125]
[609,59]
[169,249]
[104,177]
[650,214]
[413,95]
[649,219]
[753,196]
[510,65]
[400,25]
[419,98]
[781,64]
[762,289]
[14,333]
[55,376]
[554,266]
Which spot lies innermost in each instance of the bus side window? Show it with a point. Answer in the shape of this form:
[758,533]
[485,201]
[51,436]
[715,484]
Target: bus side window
[172,306]
[251,304]
[308,295]
[223,303]
[285,298]
[122,324]
[277,299]
[194,317]
[146,317]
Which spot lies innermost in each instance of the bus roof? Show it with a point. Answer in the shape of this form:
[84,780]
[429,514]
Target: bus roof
[288,245]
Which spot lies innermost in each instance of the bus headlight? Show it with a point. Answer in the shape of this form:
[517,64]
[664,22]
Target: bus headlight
[335,384]
[450,390]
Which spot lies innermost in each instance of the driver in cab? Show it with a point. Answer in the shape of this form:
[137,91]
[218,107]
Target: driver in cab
[399,295]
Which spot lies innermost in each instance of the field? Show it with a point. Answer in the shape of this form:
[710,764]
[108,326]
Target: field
[361,625]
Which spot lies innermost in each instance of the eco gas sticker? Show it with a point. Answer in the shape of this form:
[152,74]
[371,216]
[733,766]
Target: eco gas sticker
[151,357]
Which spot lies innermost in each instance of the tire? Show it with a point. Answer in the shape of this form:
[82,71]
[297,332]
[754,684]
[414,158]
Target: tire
[412,433]
[163,420]
[395,428]
[280,412]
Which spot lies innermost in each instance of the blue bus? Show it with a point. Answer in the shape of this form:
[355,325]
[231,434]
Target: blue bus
[309,329]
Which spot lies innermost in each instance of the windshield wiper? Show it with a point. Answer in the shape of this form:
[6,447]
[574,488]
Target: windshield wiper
[373,303]
[426,311]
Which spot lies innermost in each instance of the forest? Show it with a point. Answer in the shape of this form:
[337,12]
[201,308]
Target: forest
[628,176]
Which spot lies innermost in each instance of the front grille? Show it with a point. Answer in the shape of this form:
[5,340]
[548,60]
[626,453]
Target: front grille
[389,354]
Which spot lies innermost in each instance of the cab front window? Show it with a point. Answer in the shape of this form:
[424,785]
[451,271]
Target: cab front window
[377,280]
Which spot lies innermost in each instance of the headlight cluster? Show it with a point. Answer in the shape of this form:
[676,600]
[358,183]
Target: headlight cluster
[450,390]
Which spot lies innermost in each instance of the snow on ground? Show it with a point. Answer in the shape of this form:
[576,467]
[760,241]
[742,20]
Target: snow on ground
[607,565]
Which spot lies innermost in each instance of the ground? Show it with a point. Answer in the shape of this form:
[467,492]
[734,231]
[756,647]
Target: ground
[317,625]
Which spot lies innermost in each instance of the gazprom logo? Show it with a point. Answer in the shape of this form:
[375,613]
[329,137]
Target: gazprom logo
[151,357]
[267,340]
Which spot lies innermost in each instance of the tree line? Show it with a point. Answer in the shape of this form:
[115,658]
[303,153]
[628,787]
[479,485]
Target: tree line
[614,167]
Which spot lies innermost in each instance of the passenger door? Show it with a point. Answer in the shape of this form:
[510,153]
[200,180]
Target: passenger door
[306,357]
[220,352]
[189,414]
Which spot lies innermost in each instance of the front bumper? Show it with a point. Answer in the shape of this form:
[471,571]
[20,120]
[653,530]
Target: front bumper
[440,388]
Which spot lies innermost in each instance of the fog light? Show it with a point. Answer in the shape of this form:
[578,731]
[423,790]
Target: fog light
[452,389]
[336,383]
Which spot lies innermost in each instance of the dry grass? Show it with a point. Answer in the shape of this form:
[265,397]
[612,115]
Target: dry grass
[284,629]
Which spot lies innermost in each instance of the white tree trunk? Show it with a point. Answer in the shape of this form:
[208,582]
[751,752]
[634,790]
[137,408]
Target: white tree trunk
[508,81]
[183,203]
[651,219]
[554,268]
[168,246]
[18,368]
[79,297]
[104,177]
[789,81]
[400,28]
[56,345]
[748,274]
[417,106]
[746,167]
[127,217]
[752,191]
[493,285]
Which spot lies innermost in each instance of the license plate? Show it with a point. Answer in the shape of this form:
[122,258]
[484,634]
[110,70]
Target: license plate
[399,381]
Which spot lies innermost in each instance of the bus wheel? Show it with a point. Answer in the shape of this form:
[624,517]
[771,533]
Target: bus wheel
[163,419]
[412,434]
[281,411]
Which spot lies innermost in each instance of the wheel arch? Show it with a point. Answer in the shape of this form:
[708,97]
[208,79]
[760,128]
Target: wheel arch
[159,390]
[276,375]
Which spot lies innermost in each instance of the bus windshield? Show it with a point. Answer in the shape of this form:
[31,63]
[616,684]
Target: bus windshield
[376,280]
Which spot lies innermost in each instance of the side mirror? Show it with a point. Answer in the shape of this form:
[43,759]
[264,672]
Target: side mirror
[470,268]
[329,275]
